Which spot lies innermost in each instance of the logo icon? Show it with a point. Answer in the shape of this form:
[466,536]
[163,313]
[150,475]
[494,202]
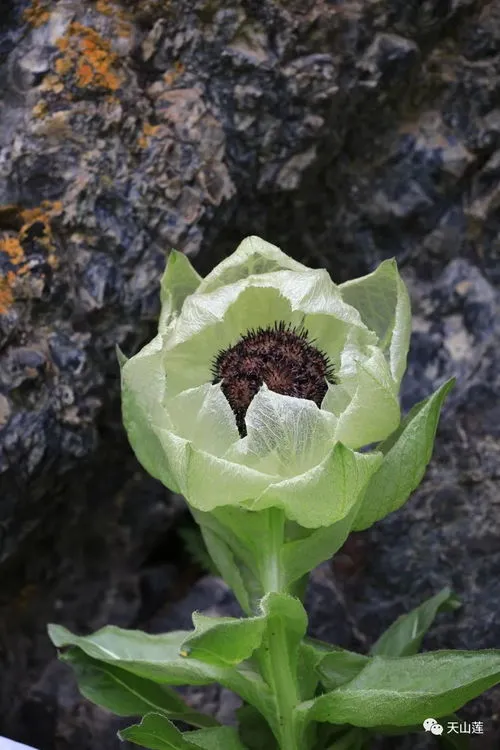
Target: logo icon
[431,725]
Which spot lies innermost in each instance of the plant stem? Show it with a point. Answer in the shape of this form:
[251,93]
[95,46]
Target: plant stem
[284,685]
[278,662]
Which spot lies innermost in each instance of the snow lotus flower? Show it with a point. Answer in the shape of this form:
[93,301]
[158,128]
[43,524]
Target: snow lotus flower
[264,382]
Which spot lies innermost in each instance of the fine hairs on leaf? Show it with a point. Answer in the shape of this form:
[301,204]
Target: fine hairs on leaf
[270,399]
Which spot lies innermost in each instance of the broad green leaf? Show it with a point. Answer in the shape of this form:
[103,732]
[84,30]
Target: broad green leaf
[308,675]
[157,657]
[301,556]
[406,455]
[179,280]
[152,656]
[218,738]
[245,531]
[290,613]
[223,641]
[337,666]
[126,694]
[254,730]
[226,641]
[228,565]
[406,690]
[405,635]
[157,733]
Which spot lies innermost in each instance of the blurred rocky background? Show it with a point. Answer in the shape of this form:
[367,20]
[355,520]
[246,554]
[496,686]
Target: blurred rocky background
[345,132]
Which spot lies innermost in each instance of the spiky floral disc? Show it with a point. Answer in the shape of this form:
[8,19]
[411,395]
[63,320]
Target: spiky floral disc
[282,357]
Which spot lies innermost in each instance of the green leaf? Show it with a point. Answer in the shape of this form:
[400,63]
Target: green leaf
[235,538]
[223,641]
[301,556]
[254,730]
[230,568]
[406,455]
[406,690]
[219,738]
[157,733]
[226,641]
[336,666]
[152,656]
[404,636]
[157,657]
[126,694]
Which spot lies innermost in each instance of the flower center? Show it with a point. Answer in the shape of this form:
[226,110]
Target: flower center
[282,357]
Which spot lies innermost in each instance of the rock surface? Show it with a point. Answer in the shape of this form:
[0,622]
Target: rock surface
[343,132]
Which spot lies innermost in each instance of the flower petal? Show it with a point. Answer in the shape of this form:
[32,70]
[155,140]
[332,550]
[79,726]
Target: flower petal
[179,280]
[285,435]
[212,322]
[327,318]
[203,416]
[325,493]
[143,391]
[373,412]
[212,481]
[252,256]
[383,303]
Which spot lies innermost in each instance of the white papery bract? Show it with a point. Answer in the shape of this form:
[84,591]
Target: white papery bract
[296,455]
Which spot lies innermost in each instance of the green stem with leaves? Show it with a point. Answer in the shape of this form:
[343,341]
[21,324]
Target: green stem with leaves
[277,663]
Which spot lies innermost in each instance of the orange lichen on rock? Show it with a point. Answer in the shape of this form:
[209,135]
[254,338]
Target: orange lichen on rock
[87,55]
[14,263]
[148,131]
[11,248]
[6,295]
[42,214]
[37,13]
